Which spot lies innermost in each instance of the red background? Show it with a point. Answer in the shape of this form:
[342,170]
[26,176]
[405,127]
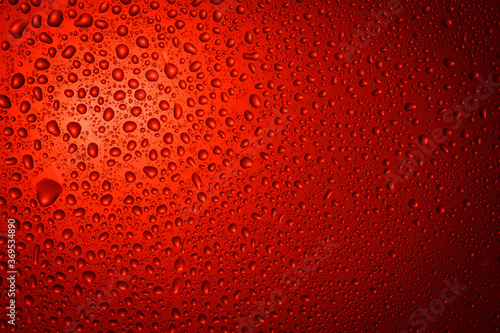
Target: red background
[272,182]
